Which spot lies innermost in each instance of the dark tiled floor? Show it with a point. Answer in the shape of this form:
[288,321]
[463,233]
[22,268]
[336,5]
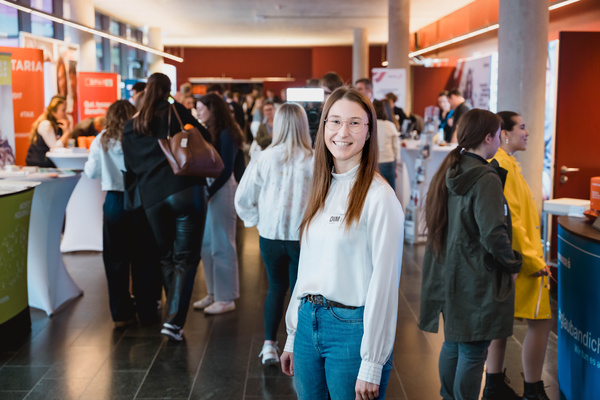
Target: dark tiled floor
[76,354]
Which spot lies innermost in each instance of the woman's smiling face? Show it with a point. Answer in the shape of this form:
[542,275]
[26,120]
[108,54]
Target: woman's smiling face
[345,146]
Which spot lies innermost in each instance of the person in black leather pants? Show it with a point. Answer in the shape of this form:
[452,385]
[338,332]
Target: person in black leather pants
[175,205]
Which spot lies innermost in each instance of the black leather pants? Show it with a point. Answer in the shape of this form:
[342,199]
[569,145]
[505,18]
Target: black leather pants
[178,225]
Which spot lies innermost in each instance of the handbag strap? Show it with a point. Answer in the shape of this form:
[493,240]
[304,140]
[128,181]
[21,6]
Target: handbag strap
[177,115]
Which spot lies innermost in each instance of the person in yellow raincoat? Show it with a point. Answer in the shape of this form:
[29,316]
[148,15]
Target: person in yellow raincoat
[532,297]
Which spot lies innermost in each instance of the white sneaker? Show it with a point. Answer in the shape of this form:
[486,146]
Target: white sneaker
[269,354]
[220,307]
[203,303]
[173,332]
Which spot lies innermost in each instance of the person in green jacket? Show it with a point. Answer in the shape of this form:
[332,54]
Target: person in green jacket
[469,265]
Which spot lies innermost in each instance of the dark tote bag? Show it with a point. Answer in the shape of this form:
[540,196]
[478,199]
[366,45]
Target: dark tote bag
[188,153]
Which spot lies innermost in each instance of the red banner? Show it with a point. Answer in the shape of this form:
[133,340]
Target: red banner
[97,91]
[28,94]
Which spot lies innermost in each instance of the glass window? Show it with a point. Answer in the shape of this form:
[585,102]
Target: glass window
[9,22]
[115,28]
[42,26]
[115,56]
[99,53]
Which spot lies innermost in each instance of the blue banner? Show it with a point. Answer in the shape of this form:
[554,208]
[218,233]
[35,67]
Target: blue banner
[578,317]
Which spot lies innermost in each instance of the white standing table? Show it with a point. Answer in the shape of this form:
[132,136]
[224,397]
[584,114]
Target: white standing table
[49,285]
[83,225]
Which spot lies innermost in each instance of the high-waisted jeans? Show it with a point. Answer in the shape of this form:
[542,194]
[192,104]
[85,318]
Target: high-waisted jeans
[327,353]
[178,225]
[461,369]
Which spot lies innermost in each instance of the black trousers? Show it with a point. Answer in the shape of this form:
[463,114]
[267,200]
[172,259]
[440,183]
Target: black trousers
[130,248]
[178,225]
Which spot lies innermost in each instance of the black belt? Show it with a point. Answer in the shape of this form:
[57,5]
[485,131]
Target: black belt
[322,301]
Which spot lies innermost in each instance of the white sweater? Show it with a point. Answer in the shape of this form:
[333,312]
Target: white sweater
[387,139]
[106,165]
[273,195]
[359,267]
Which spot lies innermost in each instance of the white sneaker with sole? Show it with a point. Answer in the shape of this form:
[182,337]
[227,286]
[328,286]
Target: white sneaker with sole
[220,307]
[203,303]
[269,354]
[173,332]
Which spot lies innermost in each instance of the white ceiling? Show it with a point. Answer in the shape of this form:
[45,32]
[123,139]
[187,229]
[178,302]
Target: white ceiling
[270,22]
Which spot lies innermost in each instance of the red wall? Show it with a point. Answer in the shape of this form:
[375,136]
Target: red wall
[427,84]
[301,63]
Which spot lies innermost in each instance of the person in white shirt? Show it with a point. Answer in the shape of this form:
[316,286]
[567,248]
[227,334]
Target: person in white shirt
[52,129]
[341,321]
[127,237]
[272,195]
[388,144]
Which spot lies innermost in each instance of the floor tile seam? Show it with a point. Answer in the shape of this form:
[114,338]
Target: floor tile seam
[260,287]
[416,319]
[399,380]
[212,326]
[162,343]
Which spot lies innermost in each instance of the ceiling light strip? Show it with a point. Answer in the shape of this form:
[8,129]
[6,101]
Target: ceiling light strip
[91,30]
[478,32]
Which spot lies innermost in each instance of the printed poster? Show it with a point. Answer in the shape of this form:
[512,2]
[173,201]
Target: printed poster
[60,69]
[97,91]
[7,127]
[387,80]
[27,67]
[474,77]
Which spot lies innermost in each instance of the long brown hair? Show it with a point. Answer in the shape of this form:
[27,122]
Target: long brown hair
[48,114]
[472,130]
[117,114]
[221,118]
[324,162]
[157,89]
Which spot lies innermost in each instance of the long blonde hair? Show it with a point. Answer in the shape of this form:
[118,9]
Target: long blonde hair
[48,114]
[117,115]
[290,128]
[324,162]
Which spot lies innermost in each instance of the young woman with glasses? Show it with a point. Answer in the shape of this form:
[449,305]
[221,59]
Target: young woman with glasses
[346,294]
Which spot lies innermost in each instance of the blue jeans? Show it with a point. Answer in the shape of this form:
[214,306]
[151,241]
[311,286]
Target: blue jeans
[327,353]
[461,369]
[388,170]
[281,262]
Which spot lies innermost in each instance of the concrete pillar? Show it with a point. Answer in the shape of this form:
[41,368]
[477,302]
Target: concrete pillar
[399,41]
[522,55]
[82,11]
[360,55]
[155,62]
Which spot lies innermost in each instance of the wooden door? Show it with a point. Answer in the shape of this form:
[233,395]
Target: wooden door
[577,142]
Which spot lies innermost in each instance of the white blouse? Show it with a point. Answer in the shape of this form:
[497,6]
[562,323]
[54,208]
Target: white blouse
[358,267]
[47,133]
[273,194]
[107,165]
[387,139]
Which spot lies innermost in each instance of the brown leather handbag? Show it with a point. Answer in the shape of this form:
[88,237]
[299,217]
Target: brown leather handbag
[188,153]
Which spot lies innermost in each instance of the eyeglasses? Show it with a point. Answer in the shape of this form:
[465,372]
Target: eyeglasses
[355,125]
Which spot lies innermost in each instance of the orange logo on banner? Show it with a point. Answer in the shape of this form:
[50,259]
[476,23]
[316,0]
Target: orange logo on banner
[97,91]
[28,94]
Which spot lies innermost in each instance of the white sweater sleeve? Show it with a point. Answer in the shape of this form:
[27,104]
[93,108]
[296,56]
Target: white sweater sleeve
[385,230]
[247,193]
[93,165]
[47,133]
[291,320]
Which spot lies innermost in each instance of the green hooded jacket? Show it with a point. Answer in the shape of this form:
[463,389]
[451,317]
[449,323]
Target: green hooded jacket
[471,285]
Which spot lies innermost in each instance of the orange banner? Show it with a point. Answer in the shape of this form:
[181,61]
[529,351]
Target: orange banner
[28,94]
[97,91]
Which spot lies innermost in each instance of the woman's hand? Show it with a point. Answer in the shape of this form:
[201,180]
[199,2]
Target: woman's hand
[542,272]
[65,126]
[287,363]
[365,390]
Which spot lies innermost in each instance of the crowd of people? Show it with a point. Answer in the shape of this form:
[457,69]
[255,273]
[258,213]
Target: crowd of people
[320,188]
